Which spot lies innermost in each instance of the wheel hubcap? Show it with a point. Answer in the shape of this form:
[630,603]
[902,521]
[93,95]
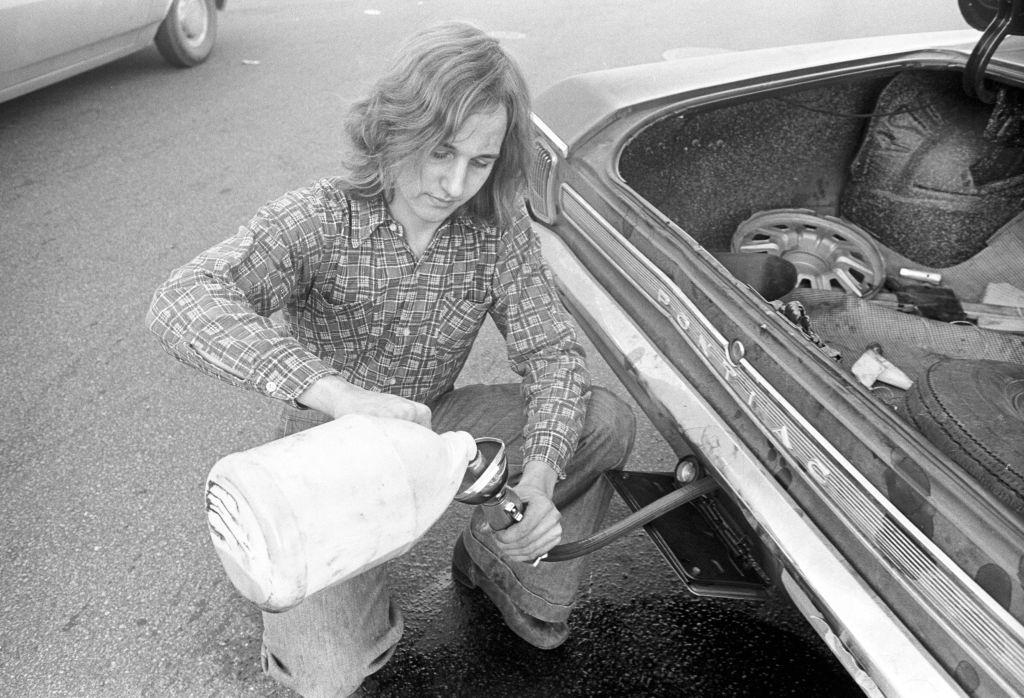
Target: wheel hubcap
[828,253]
[192,20]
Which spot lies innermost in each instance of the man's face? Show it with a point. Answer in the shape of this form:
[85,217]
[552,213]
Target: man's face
[428,192]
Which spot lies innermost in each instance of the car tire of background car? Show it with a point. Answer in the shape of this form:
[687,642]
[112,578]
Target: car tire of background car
[185,37]
[974,412]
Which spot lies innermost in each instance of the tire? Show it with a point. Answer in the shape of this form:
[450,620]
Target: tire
[974,412]
[185,37]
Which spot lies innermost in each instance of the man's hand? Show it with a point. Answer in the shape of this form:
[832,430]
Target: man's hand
[335,397]
[541,528]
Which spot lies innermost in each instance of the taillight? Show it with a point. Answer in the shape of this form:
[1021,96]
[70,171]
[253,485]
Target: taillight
[541,193]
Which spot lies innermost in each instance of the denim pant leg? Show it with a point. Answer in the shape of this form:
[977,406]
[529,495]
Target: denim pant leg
[547,591]
[330,642]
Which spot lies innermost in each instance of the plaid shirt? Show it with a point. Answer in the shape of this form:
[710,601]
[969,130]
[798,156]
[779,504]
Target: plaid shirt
[358,304]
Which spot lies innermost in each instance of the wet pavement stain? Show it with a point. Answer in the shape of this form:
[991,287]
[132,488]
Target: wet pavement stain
[659,645]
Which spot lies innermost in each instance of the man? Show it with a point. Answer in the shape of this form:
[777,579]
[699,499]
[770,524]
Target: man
[385,276]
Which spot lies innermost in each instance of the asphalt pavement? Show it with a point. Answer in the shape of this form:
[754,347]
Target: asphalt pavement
[109,584]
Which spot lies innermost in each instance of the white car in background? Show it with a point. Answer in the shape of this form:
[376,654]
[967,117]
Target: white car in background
[45,41]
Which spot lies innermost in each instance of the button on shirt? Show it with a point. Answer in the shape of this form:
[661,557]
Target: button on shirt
[358,304]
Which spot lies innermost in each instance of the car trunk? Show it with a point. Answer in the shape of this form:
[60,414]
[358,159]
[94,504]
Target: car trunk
[874,188]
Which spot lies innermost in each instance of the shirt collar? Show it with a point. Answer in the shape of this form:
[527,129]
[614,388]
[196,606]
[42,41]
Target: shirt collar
[373,214]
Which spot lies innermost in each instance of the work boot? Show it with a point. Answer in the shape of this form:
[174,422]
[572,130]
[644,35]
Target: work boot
[539,633]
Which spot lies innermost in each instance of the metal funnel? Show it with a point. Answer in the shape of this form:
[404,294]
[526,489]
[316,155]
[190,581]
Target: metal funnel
[486,475]
[485,482]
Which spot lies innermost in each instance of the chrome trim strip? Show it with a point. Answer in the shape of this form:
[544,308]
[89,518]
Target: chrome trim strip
[563,149]
[919,565]
[885,650]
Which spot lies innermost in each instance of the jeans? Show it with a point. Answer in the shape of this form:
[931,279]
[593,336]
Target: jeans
[330,642]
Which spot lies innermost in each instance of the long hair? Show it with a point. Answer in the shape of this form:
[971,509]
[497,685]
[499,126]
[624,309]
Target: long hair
[440,77]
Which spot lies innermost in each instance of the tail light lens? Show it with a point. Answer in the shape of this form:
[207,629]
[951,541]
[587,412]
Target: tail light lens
[541,192]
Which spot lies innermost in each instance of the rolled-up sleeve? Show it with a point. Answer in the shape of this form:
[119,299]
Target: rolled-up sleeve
[214,312]
[543,348]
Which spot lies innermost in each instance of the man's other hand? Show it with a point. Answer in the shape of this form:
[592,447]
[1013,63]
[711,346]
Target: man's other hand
[541,527]
[336,397]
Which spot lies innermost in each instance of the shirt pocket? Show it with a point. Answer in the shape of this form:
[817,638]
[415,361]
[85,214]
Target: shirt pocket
[344,324]
[458,320]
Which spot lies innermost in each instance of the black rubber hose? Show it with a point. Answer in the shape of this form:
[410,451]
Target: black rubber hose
[644,515]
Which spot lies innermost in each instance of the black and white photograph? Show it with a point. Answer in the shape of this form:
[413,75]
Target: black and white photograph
[423,348]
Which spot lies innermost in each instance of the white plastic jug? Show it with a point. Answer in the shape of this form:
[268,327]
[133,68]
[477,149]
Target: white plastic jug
[293,516]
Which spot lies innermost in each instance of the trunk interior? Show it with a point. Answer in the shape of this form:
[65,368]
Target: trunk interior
[898,200]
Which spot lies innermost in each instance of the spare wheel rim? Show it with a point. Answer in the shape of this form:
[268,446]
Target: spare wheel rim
[828,253]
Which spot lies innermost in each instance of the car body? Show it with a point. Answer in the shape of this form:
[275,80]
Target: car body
[653,188]
[45,41]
